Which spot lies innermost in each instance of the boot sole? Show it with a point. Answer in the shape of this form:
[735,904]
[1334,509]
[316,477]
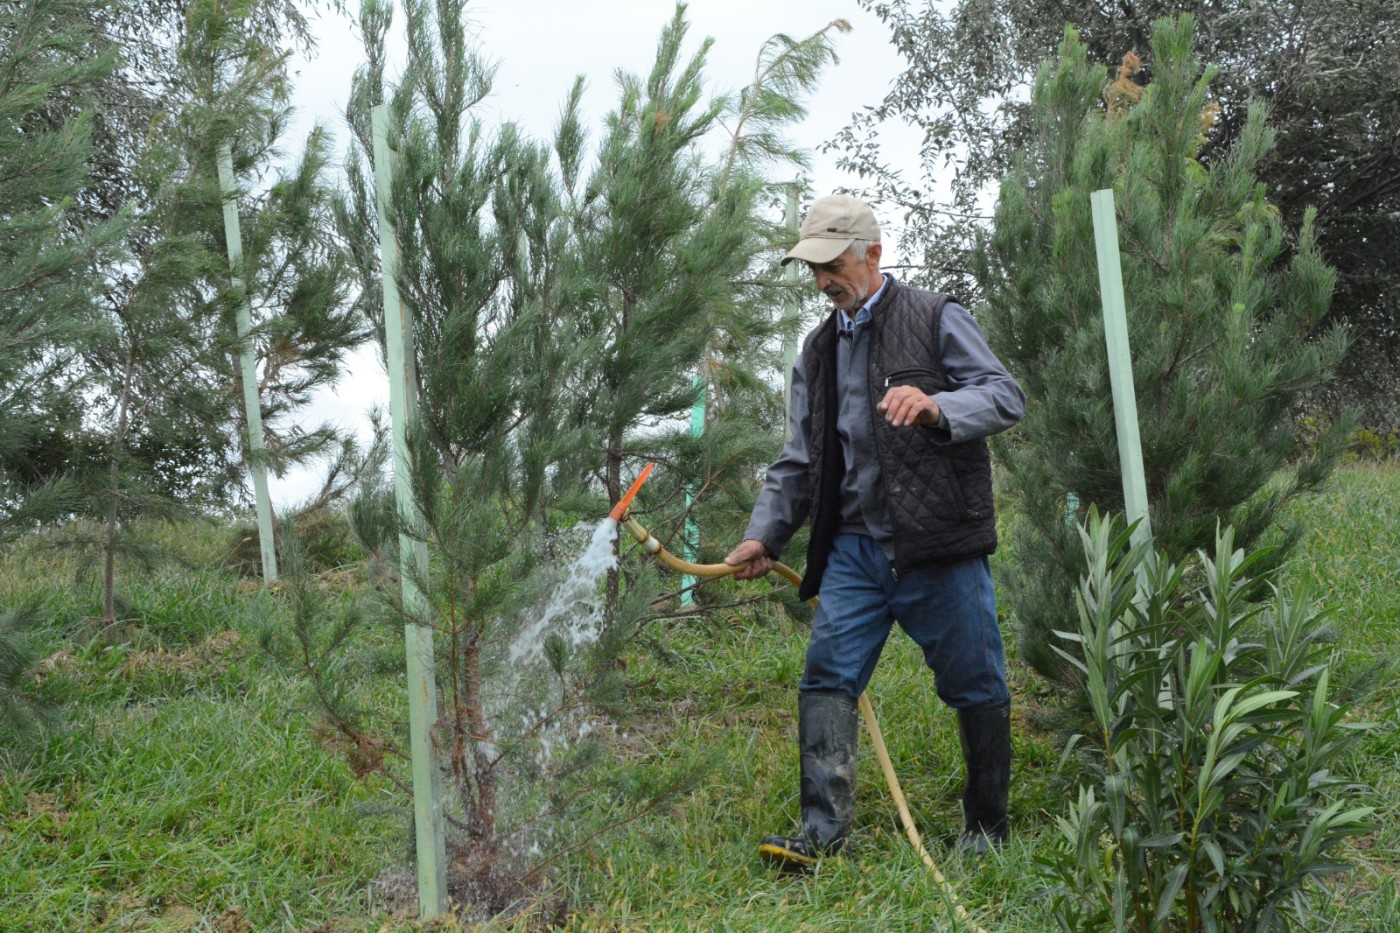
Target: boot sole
[785,858]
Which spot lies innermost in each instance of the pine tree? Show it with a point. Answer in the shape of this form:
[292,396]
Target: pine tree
[295,273]
[1216,322]
[665,242]
[1318,66]
[163,368]
[742,364]
[155,369]
[674,240]
[50,63]
[487,276]
[560,315]
[134,96]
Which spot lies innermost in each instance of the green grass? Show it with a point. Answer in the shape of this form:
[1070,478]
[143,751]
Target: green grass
[187,789]
[1352,556]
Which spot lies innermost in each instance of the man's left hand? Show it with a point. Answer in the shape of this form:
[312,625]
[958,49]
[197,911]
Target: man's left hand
[906,405]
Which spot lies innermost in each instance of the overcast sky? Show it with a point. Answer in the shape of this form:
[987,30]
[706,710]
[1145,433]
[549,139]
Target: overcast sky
[539,47]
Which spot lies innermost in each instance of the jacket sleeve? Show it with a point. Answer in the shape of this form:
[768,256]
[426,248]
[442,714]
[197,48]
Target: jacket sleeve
[983,399]
[785,500]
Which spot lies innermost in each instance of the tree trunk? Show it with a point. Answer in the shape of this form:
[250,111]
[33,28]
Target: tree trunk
[109,544]
[614,483]
[482,810]
[614,461]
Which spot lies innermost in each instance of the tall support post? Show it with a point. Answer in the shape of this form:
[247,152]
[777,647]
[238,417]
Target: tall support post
[1120,362]
[413,553]
[790,275]
[252,404]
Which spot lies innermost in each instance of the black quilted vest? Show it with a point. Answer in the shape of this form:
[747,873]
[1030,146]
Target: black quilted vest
[939,496]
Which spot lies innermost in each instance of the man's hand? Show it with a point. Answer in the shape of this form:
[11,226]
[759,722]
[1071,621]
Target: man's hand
[754,554]
[906,405]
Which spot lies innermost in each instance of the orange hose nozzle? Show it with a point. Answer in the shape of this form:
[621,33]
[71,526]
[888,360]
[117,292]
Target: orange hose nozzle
[620,509]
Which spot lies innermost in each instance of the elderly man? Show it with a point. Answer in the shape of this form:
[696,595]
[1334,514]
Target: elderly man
[892,398]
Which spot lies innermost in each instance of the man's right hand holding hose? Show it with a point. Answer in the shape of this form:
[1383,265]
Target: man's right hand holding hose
[754,554]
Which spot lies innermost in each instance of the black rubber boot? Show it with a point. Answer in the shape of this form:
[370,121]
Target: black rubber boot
[826,736]
[986,748]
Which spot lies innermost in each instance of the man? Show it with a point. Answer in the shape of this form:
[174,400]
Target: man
[892,398]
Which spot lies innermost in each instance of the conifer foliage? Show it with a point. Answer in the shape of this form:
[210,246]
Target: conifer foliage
[498,276]
[738,367]
[161,366]
[1216,320]
[563,297]
[50,63]
[1320,67]
[665,234]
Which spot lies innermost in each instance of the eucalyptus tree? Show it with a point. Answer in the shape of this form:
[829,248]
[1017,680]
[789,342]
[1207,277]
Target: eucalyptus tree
[1219,293]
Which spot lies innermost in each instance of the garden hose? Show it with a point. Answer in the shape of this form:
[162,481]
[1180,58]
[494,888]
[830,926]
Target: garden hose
[867,712]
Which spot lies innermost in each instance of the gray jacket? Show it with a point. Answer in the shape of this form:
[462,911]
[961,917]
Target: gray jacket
[931,343]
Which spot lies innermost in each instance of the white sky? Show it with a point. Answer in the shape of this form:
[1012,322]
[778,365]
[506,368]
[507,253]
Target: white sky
[540,45]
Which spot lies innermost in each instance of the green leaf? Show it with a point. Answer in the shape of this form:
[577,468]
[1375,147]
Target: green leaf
[1166,897]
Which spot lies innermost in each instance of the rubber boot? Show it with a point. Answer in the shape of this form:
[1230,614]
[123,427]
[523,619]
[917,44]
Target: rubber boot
[826,737]
[986,748]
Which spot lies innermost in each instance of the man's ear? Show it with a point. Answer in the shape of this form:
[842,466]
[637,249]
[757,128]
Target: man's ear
[874,253]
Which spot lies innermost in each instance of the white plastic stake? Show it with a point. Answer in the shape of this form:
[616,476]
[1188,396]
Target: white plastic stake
[1120,362]
[790,274]
[252,405]
[413,553]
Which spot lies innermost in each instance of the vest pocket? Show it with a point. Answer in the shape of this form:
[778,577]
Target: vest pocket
[960,510]
[923,379]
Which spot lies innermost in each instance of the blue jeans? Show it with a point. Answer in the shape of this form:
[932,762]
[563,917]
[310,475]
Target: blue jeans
[948,609]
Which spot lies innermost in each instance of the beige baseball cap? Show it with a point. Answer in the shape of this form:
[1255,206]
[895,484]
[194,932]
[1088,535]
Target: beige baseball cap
[833,224]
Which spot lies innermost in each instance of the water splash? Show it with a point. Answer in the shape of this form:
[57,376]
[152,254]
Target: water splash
[539,705]
[575,608]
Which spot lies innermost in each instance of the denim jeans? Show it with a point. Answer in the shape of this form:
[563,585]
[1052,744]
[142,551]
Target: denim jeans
[948,609]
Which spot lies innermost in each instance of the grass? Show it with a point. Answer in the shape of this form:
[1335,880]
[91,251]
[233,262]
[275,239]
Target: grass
[1350,556]
[187,789]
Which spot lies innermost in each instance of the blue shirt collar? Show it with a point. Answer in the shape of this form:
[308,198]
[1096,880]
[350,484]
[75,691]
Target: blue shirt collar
[863,315]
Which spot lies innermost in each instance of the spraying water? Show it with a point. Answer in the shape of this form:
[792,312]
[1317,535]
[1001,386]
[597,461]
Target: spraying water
[574,610]
[537,703]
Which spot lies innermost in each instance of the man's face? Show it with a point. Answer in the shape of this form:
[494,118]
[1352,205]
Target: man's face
[848,281]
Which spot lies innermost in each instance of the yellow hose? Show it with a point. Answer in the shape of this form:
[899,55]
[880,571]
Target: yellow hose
[867,712]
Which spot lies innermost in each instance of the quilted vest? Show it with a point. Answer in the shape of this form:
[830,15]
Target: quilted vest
[939,496]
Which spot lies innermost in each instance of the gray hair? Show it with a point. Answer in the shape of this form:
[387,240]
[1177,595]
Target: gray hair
[859,248]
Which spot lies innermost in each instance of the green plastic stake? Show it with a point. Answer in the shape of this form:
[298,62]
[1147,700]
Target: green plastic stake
[692,531]
[252,405]
[1120,362]
[413,553]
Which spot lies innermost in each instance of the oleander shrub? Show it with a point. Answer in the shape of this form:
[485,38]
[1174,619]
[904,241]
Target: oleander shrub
[1210,797]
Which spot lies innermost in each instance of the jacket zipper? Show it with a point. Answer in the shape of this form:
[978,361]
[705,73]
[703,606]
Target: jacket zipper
[908,372]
